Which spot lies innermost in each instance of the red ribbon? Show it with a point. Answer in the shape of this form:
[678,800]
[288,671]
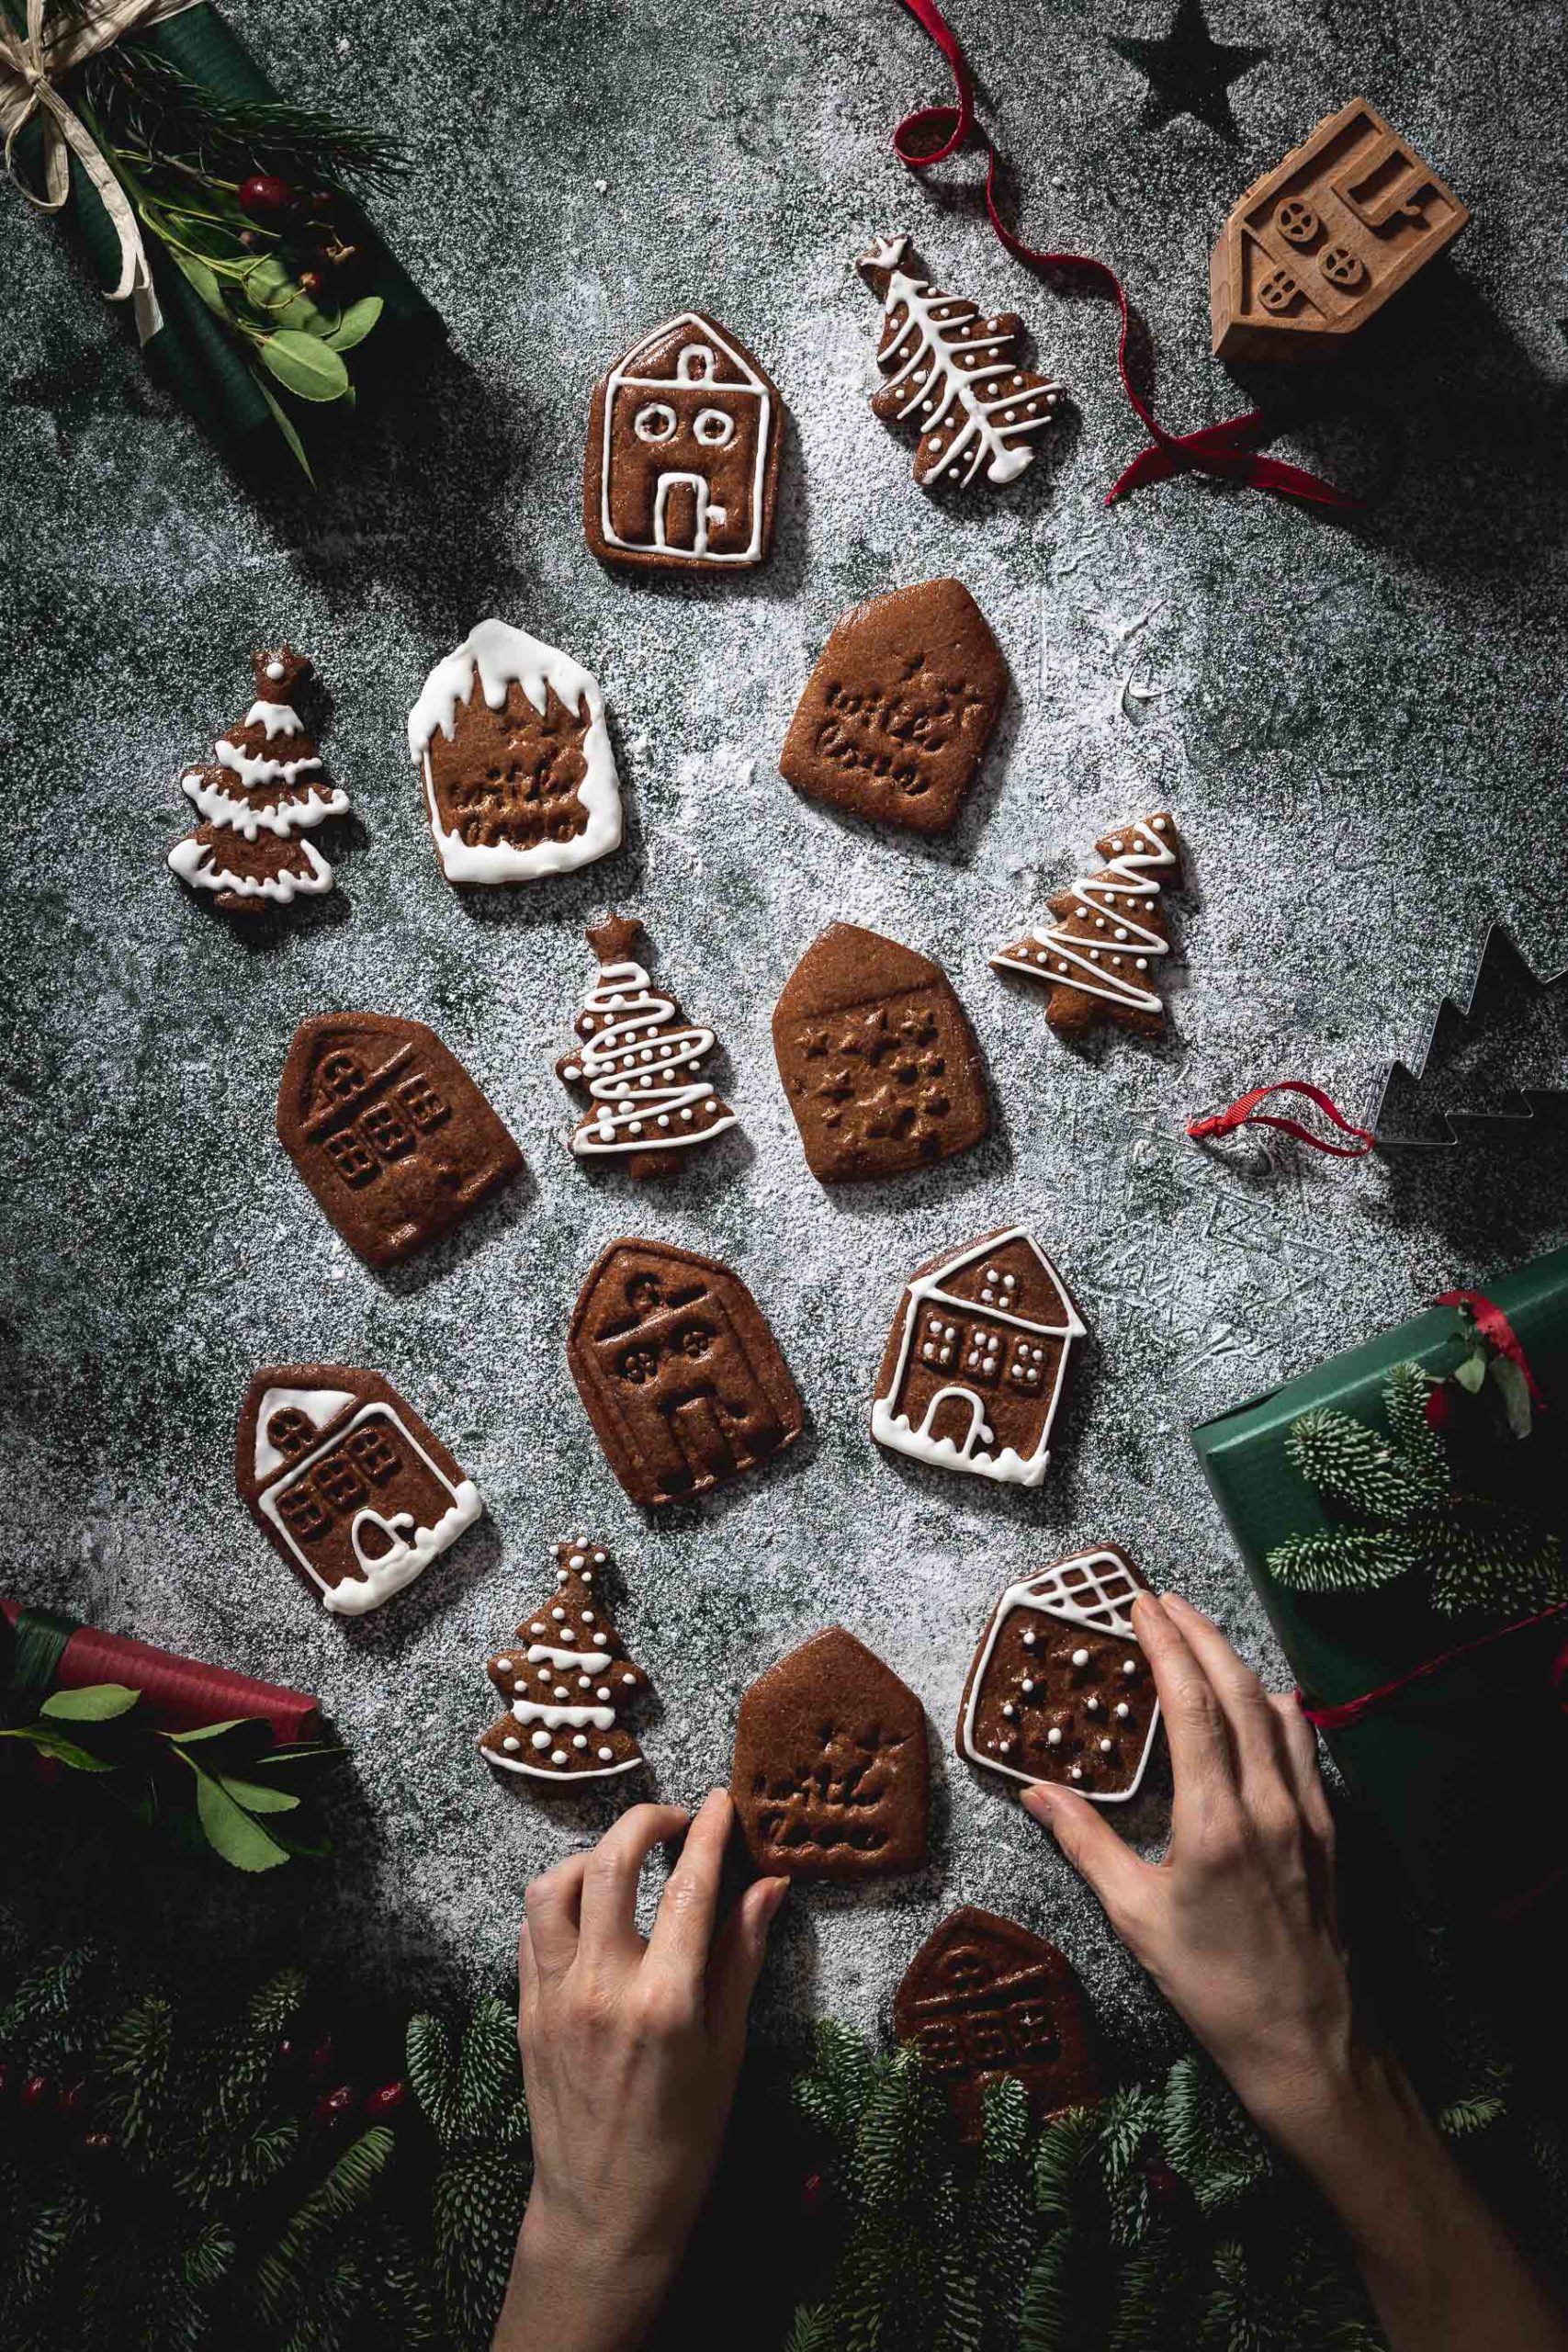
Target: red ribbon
[1497,1331]
[1224,451]
[1245,1112]
[1351,1711]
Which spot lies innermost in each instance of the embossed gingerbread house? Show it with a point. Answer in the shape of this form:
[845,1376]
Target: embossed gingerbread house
[983,1998]
[1318,244]
[977,1361]
[682,450]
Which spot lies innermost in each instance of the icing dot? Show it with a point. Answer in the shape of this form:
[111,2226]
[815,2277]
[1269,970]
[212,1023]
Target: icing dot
[1029,1641]
[1123,1710]
[510,1745]
[559,1616]
[606,1755]
[518,1687]
[599,1559]
[504,1666]
[583,1684]
[541,1739]
[1075,1772]
[602,1691]
[1105,1748]
[1128,1666]
[1093,1705]
[587,1616]
[601,1641]
[577,1561]
[1008,1710]
[1080,1657]
[557,1755]
[1053,1737]
[1026,1686]
[536,1629]
[579,1739]
[629,1681]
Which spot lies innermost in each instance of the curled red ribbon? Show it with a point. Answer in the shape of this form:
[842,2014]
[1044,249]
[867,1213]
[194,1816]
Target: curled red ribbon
[1224,451]
[1245,1112]
[1497,1331]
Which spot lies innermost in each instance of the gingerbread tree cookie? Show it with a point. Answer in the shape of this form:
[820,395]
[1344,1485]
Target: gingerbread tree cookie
[954,374]
[1099,957]
[1060,1689]
[268,787]
[567,1681]
[638,1060]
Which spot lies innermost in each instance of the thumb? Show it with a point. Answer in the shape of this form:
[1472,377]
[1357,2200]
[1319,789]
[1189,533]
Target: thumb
[1108,1867]
[736,1961]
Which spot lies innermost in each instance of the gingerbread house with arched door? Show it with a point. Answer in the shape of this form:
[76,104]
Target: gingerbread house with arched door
[977,1361]
[682,451]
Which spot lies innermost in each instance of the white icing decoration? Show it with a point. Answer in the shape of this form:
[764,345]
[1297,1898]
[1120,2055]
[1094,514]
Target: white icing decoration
[276,718]
[251,817]
[252,769]
[1080,1657]
[1132,873]
[927,363]
[501,656]
[1101,1599]
[698,364]
[532,1710]
[318,1405]
[891,1428]
[628,1011]
[410,1549]
[190,859]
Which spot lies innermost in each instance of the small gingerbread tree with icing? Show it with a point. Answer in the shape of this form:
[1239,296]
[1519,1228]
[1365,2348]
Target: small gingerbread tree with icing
[268,787]
[1102,956]
[567,1681]
[954,374]
[638,1060]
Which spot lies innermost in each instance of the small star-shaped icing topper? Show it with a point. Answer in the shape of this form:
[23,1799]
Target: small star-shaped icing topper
[1188,72]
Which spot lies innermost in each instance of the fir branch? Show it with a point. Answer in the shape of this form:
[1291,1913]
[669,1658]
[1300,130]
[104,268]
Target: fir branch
[1344,1559]
[476,2214]
[432,2058]
[808,2330]
[148,106]
[488,2080]
[1356,1467]
[1405,1391]
[1063,2161]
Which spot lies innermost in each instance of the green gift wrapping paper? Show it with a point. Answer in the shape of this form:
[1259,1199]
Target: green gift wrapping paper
[1465,1772]
[191,356]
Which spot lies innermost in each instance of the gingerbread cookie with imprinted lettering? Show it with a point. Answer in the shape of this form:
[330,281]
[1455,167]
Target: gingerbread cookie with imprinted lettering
[896,715]
[1060,1689]
[830,1771]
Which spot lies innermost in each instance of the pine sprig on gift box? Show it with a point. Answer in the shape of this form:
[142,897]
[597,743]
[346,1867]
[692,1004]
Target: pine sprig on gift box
[146,102]
[1410,1516]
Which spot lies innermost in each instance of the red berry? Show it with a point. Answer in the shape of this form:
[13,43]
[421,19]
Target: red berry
[37,2091]
[386,2100]
[811,2193]
[335,2108]
[1439,1408]
[72,2101]
[1165,2187]
[268,199]
[324,2056]
[96,2143]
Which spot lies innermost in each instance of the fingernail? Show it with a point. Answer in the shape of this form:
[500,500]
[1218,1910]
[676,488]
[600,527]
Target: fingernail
[1148,1602]
[722,1795]
[774,1900]
[1038,1801]
[1177,1601]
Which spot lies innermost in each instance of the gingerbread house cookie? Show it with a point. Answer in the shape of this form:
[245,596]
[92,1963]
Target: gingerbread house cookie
[983,1998]
[830,1771]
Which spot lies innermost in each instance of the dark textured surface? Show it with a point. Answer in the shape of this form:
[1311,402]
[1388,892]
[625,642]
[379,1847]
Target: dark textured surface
[1359,727]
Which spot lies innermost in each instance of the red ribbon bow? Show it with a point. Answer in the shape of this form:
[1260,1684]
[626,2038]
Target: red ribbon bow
[1245,1112]
[1226,451]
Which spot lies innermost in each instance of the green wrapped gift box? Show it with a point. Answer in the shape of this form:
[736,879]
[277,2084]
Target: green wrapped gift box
[1464,1772]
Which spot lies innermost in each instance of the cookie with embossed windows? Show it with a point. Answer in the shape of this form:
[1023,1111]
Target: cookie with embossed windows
[830,1772]
[896,715]
[878,1061]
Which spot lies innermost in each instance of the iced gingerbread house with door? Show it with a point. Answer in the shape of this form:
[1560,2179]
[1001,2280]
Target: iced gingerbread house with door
[682,451]
[1319,243]
[978,1359]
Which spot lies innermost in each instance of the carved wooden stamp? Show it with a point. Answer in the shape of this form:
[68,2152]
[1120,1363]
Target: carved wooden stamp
[1318,244]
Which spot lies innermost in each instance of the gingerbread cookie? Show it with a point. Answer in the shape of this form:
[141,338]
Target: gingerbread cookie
[896,715]
[267,789]
[678,1373]
[877,1060]
[983,1998]
[1060,1689]
[682,461]
[520,779]
[976,1360]
[830,1768]
[567,1681]
[388,1131]
[347,1482]
[1100,958]
[637,1060]
[953,374]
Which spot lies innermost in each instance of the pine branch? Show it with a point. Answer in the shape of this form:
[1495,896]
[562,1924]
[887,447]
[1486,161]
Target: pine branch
[1063,2161]
[475,2213]
[1405,1391]
[1354,1466]
[136,2076]
[147,104]
[432,2060]
[808,2330]
[1344,1559]
[488,2080]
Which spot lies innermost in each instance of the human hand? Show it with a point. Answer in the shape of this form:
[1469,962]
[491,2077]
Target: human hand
[631,2047]
[1239,1925]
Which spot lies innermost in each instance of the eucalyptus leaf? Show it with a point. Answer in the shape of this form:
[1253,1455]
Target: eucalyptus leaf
[304,365]
[285,424]
[205,282]
[356,322]
[52,1743]
[1472,1372]
[206,1730]
[1515,1395]
[256,1796]
[98,1702]
[230,1830]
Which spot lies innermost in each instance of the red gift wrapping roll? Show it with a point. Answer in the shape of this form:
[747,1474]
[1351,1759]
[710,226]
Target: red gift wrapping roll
[178,1694]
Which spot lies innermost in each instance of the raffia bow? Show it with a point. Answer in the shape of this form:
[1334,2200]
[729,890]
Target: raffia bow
[32,64]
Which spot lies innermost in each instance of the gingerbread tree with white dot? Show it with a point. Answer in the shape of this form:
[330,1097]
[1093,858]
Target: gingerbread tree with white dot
[1101,959]
[639,1059]
[954,374]
[567,1681]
